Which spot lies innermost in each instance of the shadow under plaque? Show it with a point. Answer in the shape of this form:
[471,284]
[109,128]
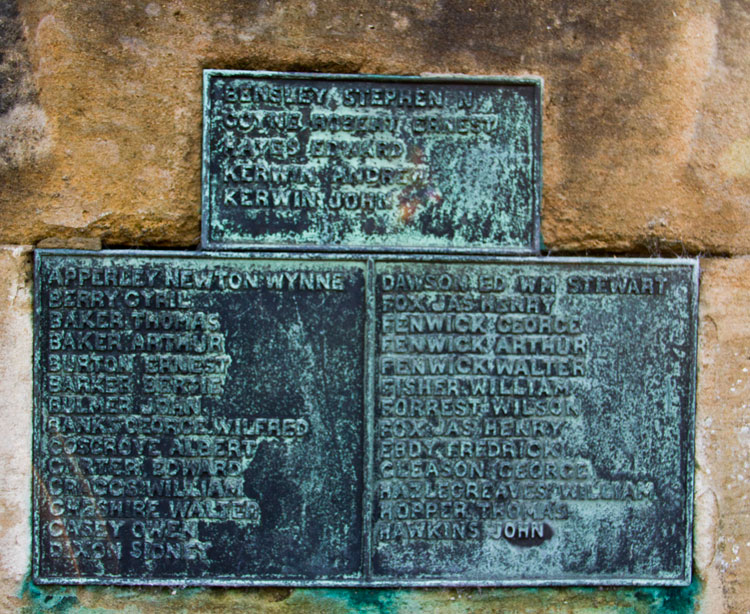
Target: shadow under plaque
[368,162]
[228,419]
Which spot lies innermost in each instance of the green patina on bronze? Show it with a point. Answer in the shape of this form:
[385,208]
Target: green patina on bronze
[196,418]
[299,420]
[369,162]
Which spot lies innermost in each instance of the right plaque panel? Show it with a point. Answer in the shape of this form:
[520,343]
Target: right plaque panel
[533,422]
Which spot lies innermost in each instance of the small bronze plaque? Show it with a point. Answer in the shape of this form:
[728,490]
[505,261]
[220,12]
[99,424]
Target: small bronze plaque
[368,162]
[220,419]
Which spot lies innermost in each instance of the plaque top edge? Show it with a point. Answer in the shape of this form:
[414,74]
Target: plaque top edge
[533,80]
[379,256]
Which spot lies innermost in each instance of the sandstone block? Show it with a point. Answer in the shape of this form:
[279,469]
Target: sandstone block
[722,537]
[646,116]
[15,417]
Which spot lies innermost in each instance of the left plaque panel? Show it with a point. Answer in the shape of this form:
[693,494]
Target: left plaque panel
[197,420]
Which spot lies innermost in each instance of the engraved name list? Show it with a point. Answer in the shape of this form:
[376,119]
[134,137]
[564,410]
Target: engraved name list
[225,419]
[368,162]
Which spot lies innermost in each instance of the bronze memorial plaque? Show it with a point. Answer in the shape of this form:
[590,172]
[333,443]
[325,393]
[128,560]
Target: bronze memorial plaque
[230,419]
[365,162]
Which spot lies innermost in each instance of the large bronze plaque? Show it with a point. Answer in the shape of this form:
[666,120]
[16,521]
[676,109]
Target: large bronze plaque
[411,421]
[315,161]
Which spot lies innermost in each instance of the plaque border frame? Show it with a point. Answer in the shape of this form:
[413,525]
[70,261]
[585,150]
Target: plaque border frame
[363,581]
[534,243]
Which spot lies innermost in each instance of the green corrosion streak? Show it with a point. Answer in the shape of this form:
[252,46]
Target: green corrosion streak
[630,600]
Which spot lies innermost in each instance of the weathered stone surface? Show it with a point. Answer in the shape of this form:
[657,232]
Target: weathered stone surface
[722,535]
[15,417]
[646,116]
[23,135]
[90,243]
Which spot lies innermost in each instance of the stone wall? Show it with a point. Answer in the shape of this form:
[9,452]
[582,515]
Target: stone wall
[646,152]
